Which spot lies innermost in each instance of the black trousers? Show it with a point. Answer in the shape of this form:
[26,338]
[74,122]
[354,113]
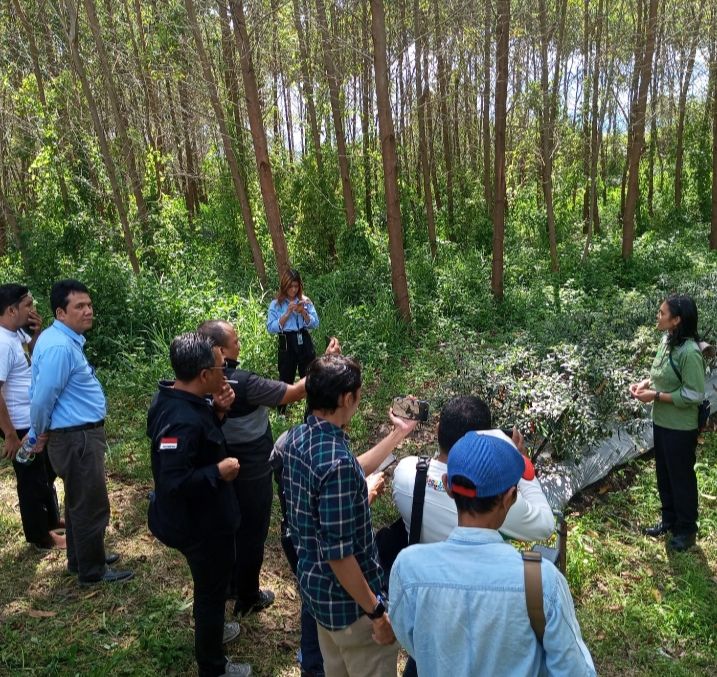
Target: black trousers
[254,497]
[676,478]
[211,562]
[39,510]
[79,459]
[292,357]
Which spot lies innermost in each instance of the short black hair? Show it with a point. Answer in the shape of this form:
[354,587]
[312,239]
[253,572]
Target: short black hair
[328,377]
[475,505]
[60,293]
[190,354]
[460,416]
[11,294]
[215,330]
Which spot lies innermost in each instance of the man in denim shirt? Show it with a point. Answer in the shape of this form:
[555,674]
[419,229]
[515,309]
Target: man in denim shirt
[459,606]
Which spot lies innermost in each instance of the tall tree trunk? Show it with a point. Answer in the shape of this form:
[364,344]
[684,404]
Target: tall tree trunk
[191,163]
[365,111]
[442,76]
[422,144]
[399,283]
[638,137]
[118,199]
[546,131]
[487,86]
[337,113]
[40,80]
[127,151]
[261,150]
[684,88]
[237,179]
[713,77]
[501,100]
[307,88]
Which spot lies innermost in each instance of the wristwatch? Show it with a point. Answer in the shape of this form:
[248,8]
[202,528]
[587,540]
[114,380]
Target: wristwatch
[380,609]
[657,396]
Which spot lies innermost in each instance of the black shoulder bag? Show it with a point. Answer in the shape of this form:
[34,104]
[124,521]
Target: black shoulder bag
[392,539]
[703,411]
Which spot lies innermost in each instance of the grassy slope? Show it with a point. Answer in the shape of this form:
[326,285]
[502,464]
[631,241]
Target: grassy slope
[642,612]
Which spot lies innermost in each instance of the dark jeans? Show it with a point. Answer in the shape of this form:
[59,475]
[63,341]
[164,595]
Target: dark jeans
[79,459]
[254,497]
[37,497]
[311,659]
[676,478]
[211,562]
[411,670]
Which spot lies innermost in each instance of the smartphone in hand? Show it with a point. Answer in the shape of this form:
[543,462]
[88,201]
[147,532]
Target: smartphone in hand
[410,408]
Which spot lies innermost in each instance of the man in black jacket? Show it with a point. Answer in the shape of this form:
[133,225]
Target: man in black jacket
[193,507]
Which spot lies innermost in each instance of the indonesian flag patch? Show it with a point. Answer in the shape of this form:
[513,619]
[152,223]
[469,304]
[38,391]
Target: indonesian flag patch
[167,443]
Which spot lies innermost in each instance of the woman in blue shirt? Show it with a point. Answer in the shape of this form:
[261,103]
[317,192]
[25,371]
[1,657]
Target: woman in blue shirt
[291,315]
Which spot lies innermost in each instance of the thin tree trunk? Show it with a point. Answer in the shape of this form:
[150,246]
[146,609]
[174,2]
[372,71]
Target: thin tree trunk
[638,140]
[487,86]
[78,63]
[713,77]
[126,146]
[365,112]
[422,145]
[442,76]
[266,179]
[337,114]
[684,88]
[399,282]
[305,63]
[501,99]
[237,179]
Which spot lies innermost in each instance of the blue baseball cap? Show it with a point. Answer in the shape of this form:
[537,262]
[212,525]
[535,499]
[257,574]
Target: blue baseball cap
[492,464]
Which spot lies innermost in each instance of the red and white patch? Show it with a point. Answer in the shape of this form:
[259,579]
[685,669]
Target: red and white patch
[167,443]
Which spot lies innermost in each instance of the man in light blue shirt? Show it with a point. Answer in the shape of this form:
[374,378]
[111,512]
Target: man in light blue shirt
[459,606]
[67,412]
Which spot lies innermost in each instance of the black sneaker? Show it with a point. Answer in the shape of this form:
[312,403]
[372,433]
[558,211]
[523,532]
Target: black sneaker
[682,542]
[110,576]
[110,558]
[657,530]
[264,600]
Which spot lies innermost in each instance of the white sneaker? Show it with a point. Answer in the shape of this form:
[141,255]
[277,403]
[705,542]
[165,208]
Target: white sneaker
[237,670]
[231,631]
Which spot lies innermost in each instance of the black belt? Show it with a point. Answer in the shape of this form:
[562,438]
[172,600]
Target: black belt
[78,428]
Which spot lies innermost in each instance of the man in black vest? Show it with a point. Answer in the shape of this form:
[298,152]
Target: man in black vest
[249,439]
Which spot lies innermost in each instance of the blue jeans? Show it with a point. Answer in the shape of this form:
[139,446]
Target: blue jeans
[310,654]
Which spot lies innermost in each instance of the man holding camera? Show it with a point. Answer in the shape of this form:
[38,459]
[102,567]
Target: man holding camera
[340,578]
[529,518]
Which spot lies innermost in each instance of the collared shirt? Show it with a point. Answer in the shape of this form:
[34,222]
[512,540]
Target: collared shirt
[458,607]
[296,321]
[15,376]
[65,391]
[191,502]
[530,518]
[329,518]
[687,392]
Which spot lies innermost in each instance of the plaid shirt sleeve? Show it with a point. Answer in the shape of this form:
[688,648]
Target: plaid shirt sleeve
[337,511]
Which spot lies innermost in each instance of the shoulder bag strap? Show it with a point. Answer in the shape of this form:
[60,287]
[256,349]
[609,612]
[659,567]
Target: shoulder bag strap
[674,368]
[419,492]
[534,592]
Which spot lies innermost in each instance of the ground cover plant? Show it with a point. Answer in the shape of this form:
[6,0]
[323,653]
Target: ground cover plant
[555,358]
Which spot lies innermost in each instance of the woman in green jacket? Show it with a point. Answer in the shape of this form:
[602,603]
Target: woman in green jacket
[676,387]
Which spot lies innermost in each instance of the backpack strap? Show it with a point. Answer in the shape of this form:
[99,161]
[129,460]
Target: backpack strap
[419,492]
[534,592]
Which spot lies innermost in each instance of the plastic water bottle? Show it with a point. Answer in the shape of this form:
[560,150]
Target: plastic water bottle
[26,453]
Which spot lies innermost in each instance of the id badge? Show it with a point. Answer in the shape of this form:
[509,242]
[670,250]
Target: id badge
[299,339]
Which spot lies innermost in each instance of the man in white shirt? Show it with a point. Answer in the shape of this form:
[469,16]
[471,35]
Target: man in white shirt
[39,510]
[530,518]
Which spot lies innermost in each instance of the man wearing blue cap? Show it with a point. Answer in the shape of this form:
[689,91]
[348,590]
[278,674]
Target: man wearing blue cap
[472,586]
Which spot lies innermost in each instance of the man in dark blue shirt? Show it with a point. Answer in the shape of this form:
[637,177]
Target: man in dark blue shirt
[327,506]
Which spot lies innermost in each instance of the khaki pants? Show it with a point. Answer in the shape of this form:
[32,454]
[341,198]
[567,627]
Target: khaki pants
[351,652]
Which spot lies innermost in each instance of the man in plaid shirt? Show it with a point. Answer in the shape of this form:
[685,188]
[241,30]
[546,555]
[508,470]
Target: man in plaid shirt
[327,505]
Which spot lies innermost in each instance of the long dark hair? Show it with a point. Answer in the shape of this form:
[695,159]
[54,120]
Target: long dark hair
[684,307]
[291,275]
